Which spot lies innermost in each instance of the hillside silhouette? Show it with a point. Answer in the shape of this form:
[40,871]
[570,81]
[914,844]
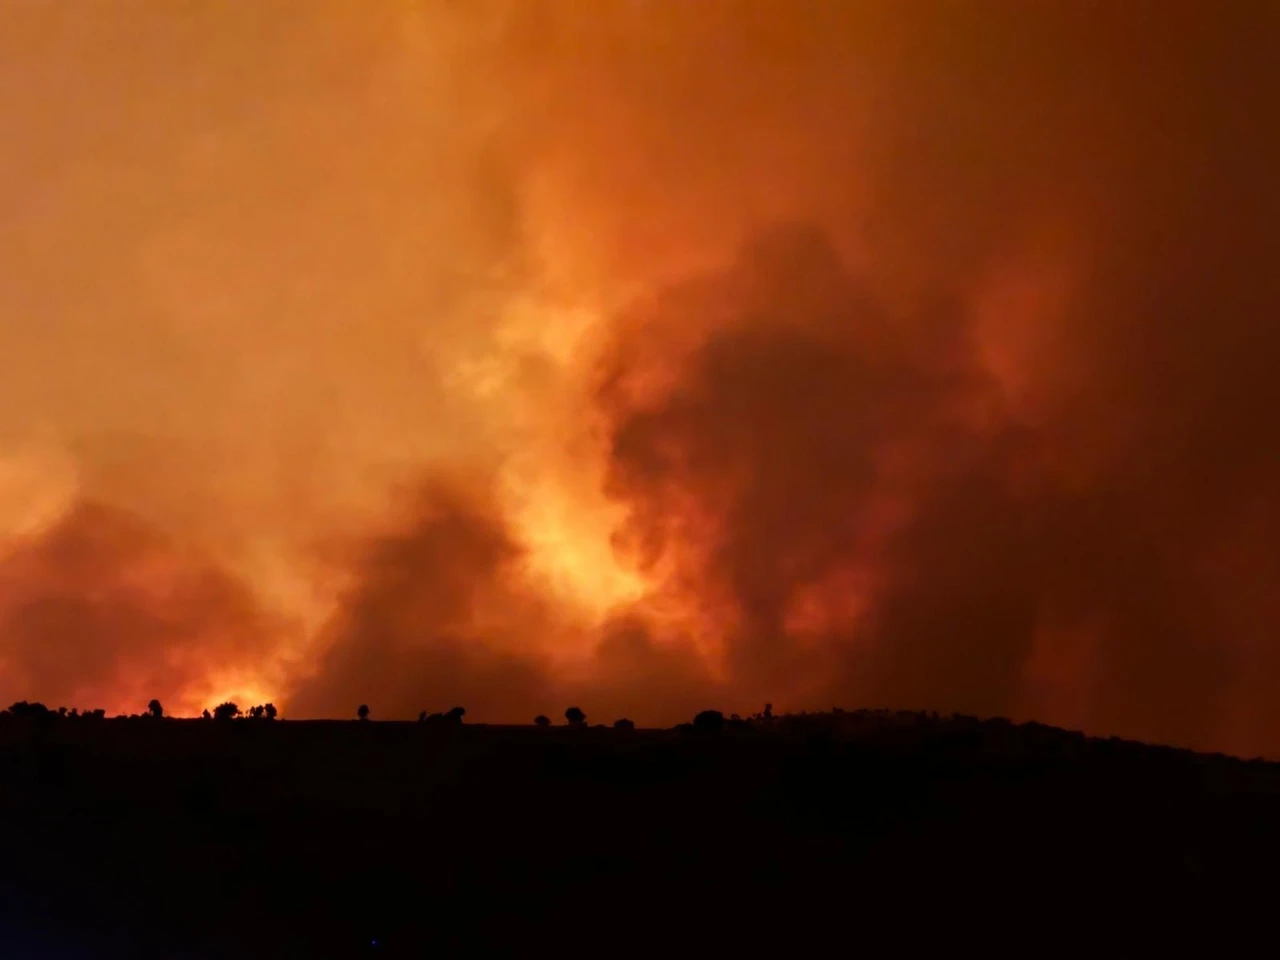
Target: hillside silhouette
[243,834]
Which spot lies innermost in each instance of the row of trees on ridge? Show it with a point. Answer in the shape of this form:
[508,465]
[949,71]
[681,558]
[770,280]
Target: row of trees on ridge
[706,721]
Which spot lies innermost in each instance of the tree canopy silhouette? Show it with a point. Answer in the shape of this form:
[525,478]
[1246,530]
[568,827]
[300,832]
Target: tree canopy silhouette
[155,710]
[709,721]
[226,711]
[542,720]
[575,717]
[362,712]
[24,709]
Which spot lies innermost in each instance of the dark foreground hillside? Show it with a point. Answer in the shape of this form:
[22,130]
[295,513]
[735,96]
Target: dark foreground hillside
[842,833]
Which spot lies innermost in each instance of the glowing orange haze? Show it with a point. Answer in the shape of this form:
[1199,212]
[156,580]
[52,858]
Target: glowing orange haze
[647,355]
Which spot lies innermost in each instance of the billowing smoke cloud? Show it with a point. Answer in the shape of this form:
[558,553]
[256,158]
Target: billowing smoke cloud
[434,601]
[882,526]
[442,610]
[915,355]
[102,610]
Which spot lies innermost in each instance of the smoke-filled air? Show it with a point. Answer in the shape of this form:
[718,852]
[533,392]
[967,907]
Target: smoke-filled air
[648,356]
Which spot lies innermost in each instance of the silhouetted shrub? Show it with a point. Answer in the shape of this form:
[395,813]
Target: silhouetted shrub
[541,721]
[206,715]
[456,714]
[155,710]
[32,710]
[226,711]
[709,721]
[623,724]
[575,717]
[362,712]
[270,711]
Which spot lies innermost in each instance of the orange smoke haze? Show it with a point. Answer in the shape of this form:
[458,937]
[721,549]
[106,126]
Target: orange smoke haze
[649,356]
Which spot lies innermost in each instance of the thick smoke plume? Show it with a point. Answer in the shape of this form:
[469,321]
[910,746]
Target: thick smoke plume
[879,524]
[101,609]
[648,356]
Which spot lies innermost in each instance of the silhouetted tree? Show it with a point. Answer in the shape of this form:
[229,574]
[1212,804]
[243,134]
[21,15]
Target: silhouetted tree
[98,714]
[257,712]
[456,714]
[575,717]
[155,710]
[206,715]
[74,714]
[24,709]
[709,721]
[62,711]
[362,712]
[623,724]
[768,711]
[271,711]
[226,711]
[541,721]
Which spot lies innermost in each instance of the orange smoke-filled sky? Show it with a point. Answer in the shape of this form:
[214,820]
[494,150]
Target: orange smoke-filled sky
[646,355]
